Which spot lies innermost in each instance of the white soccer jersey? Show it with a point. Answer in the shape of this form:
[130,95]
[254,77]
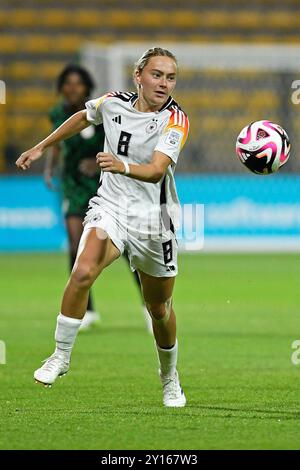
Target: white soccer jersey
[133,136]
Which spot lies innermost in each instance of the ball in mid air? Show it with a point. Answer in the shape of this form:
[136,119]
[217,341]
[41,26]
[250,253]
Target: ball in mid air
[263,147]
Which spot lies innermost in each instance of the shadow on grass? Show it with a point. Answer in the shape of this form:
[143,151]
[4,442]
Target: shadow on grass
[248,413]
[111,330]
[190,411]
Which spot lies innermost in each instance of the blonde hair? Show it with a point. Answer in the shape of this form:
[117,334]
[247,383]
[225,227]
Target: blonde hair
[144,59]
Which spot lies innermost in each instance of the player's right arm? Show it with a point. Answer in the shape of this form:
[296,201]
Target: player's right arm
[70,127]
[52,160]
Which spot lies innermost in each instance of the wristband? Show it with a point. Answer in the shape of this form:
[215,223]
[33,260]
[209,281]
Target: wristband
[127,170]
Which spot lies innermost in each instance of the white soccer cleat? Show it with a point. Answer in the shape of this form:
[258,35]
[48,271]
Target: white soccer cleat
[173,395]
[90,318]
[53,367]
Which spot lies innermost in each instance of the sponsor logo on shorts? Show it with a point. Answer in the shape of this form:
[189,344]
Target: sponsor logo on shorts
[97,217]
[170,268]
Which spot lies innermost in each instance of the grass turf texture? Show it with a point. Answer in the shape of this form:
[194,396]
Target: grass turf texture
[237,317]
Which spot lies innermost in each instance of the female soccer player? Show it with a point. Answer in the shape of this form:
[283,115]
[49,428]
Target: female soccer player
[80,172]
[144,133]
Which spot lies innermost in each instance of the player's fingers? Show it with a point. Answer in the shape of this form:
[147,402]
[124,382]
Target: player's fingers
[106,161]
[105,164]
[27,163]
[23,162]
[19,162]
[102,154]
[103,159]
[108,169]
[22,166]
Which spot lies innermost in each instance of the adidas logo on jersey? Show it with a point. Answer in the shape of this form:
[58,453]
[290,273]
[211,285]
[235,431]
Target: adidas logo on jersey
[117,119]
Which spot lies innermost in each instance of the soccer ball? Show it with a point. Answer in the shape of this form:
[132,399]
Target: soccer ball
[263,147]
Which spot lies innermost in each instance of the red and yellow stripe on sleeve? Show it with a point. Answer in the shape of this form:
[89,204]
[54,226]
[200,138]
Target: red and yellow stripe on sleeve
[180,122]
[102,98]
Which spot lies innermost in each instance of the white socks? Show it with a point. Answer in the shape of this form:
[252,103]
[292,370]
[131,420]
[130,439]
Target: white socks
[168,359]
[65,335]
[66,332]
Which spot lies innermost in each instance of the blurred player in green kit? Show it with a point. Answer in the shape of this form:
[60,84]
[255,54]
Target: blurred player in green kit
[80,172]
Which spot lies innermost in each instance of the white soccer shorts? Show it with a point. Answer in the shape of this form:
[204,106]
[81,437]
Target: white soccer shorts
[153,255]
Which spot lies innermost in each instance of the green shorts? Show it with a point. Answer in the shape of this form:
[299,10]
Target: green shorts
[76,196]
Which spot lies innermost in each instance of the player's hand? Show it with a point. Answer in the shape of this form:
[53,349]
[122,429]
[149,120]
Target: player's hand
[109,163]
[25,160]
[89,167]
[48,178]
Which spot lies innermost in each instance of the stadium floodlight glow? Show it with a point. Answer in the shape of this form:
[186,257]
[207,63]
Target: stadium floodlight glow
[2,92]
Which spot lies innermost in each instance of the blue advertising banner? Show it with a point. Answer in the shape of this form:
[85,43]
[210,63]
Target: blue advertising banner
[220,212]
[30,215]
[248,212]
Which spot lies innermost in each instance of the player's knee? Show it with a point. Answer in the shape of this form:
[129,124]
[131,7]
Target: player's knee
[160,312]
[83,276]
[157,311]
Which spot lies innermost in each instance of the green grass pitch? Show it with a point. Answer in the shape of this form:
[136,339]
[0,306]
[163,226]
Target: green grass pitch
[237,318]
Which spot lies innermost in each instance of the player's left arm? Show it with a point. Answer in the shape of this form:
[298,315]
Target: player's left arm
[166,152]
[149,172]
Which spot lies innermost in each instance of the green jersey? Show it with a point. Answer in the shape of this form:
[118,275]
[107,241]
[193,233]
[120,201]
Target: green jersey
[77,187]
